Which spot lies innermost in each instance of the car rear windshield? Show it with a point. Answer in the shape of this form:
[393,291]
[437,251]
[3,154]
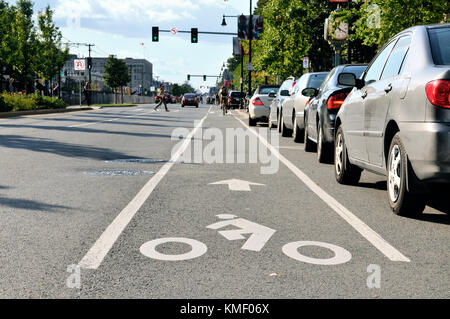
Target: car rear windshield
[357,70]
[190,95]
[316,80]
[267,90]
[440,45]
[237,94]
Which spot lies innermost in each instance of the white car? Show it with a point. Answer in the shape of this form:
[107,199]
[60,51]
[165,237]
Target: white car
[259,106]
[293,108]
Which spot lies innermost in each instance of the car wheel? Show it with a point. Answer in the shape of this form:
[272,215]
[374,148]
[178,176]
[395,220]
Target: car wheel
[346,173]
[310,146]
[402,202]
[251,122]
[323,148]
[285,132]
[299,135]
[182,105]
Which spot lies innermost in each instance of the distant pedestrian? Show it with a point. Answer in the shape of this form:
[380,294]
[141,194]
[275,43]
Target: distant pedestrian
[86,92]
[162,94]
[39,88]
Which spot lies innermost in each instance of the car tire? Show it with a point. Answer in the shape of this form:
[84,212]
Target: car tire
[182,105]
[324,149]
[251,122]
[309,145]
[299,134]
[401,201]
[345,172]
[285,132]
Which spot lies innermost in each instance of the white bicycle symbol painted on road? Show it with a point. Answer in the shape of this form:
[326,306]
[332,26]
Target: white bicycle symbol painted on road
[259,236]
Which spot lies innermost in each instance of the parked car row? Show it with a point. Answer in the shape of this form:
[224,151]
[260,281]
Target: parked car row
[391,117]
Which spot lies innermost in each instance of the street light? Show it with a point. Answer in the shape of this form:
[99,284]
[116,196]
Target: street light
[224,22]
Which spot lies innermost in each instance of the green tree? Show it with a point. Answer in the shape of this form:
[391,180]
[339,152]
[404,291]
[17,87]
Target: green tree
[23,56]
[7,41]
[52,55]
[116,74]
[382,19]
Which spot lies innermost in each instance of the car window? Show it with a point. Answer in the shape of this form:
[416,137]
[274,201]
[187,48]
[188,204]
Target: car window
[316,80]
[374,72]
[329,76]
[267,90]
[440,45]
[395,61]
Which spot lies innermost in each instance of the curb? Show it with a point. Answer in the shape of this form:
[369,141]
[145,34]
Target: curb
[40,112]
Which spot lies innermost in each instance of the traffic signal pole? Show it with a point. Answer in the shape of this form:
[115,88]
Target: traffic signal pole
[250,35]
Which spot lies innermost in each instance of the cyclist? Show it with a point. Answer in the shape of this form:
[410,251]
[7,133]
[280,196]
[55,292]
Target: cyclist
[224,99]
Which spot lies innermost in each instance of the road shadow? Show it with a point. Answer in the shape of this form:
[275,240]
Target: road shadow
[43,145]
[85,130]
[382,185]
[30,205]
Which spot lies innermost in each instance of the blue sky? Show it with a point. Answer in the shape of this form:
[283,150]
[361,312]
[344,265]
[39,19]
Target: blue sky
[119,26]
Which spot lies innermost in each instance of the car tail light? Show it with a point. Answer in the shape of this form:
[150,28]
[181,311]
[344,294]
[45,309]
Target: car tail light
[335,101]
[307,103]
[257,101]
[229,100]
[438,92]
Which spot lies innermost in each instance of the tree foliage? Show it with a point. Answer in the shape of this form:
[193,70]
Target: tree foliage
[116,73]
[27,51]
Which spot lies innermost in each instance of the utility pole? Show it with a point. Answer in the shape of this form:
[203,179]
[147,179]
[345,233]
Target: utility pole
[349,46]
[242,69]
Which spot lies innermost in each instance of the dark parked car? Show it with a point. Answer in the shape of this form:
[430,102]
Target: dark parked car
[235,99]
[189,99]
[320,114]
[396,122]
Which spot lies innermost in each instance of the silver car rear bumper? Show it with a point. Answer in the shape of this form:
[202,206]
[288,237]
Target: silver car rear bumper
[428,149]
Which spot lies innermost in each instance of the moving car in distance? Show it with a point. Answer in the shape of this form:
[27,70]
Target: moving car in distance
[293,107]
[259,104]
[320,114]
[235,99]
[189,99]
[281,95]
[396,122]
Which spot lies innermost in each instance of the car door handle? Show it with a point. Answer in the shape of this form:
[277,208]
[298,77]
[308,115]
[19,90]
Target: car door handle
[388,88]
[364,95]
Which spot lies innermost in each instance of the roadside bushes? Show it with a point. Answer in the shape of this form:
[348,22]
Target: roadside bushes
[26,102]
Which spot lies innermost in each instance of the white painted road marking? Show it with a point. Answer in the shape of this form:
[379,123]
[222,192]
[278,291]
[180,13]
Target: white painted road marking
[149,249]
[237,185]
[341,255]
[260,234]
[376,240]
[103,245]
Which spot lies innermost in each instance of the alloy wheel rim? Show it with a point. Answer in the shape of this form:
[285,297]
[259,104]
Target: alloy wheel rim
[395,173]
[295,128]
[339,154]
[319,142]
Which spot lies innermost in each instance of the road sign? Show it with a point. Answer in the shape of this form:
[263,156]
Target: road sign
[306,62]
[249,66]
[79,65]
[174,30]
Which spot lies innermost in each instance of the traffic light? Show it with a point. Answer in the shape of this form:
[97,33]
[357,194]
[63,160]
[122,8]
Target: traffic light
[89,63]
[189,77]
[155,31]
[194,35]
[204,78]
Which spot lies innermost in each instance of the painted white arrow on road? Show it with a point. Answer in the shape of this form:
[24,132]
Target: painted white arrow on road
[238,185]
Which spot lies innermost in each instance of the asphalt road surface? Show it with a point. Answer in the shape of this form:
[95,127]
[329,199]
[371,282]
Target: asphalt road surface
[106,204]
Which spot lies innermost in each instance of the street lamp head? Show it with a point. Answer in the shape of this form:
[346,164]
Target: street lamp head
[224,22]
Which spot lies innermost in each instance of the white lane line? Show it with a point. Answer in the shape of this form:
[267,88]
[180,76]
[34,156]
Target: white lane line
[103,245]
[376,240]
[112,120]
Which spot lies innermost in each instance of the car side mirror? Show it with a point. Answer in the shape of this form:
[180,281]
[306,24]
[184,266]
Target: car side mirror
[310,92]
[284,93]
[349,79]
